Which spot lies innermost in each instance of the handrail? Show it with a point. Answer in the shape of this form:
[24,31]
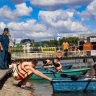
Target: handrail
[87,53]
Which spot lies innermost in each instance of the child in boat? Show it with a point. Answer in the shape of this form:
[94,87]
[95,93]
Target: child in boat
[25,70]
[94,66]
[57,65]
[47,63]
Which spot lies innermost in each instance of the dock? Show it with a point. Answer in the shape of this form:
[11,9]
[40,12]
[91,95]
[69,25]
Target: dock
[4,75]
[41,56]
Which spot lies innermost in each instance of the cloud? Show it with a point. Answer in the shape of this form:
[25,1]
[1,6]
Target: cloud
[89,12]
[2,26]
[56,4]
[18,1]
[20,11]
[50,23]
[61,20]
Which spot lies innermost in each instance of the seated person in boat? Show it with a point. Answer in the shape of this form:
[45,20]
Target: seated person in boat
[25,70]
[47,63]
[57,65]
[94,66]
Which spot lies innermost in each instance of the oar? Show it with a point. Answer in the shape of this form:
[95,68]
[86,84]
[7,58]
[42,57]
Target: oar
[89,80]
[87,85]
[52,72]
[77,77]
[64,75]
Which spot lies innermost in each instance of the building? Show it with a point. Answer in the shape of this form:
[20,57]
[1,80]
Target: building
[27,41]
[85,36]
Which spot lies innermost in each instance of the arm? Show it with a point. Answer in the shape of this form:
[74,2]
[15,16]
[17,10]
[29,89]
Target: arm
[0,42]
[1,46]
[50,66]
[40,74]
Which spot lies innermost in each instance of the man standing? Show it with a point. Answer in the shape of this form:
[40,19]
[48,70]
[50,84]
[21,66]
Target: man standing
[81,44]
[65,47]
[4,45]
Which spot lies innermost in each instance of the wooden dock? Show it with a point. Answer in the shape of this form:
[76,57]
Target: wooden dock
[51,58]
[4,74]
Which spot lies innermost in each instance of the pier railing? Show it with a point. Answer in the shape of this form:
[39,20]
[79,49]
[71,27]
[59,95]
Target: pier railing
[35,54]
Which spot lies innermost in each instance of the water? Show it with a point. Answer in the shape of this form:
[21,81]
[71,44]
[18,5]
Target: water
[44,88]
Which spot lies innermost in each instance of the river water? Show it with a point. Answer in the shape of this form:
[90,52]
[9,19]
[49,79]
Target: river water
[44,88]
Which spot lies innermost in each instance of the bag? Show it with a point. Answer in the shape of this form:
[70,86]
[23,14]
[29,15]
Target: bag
[15,74]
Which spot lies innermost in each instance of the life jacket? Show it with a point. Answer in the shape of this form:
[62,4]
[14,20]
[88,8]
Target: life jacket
[57,66]
[23,73]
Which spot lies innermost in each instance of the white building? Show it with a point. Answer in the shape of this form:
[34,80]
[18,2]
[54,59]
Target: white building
[26,47]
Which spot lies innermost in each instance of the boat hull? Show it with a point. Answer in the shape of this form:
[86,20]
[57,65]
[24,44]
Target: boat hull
[63,74]
[68,85]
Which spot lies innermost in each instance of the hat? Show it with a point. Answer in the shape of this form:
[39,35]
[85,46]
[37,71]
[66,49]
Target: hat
[6,29]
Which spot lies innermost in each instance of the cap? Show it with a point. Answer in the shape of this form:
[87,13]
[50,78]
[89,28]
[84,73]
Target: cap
[6,29]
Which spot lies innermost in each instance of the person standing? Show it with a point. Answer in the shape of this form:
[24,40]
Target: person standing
[94,66]
[4,45]
[81,44]
[65,47]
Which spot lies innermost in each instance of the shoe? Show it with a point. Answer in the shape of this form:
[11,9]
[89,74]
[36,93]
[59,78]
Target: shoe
[17,85]
[26,87]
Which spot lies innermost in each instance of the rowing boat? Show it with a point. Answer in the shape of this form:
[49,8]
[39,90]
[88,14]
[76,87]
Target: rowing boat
[69,85]
[63,74]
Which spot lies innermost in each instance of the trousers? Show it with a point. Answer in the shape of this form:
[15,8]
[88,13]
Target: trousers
[3,59]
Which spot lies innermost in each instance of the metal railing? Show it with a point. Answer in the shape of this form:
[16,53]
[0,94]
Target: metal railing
[26,55]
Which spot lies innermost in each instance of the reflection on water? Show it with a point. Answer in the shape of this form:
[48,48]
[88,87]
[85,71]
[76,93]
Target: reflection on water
[75,94]
[42,88]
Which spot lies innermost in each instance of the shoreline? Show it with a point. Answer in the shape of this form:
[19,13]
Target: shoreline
[10,89]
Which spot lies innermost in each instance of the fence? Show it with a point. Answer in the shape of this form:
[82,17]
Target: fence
[39,54]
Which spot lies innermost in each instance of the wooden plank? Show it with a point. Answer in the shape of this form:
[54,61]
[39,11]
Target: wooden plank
[63,58]
[3,73]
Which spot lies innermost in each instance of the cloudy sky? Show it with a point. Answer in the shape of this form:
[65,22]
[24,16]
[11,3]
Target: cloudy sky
[44,19]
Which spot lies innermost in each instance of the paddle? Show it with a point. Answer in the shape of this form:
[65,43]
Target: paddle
[87,85]
[89,80]
[64,75]
[52,72]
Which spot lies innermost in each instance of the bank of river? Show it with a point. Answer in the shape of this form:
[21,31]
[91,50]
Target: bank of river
[10,89]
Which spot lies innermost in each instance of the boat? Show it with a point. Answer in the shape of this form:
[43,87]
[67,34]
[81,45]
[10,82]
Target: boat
[63,73]
[74,85]
[64,67]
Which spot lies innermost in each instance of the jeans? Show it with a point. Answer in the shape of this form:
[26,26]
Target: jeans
[66,52]
[3,59]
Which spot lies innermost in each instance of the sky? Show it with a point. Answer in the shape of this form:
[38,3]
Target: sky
[44,19]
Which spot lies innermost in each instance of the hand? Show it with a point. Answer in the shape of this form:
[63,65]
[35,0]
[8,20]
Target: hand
[9,50]
[1,48]
[50,79]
